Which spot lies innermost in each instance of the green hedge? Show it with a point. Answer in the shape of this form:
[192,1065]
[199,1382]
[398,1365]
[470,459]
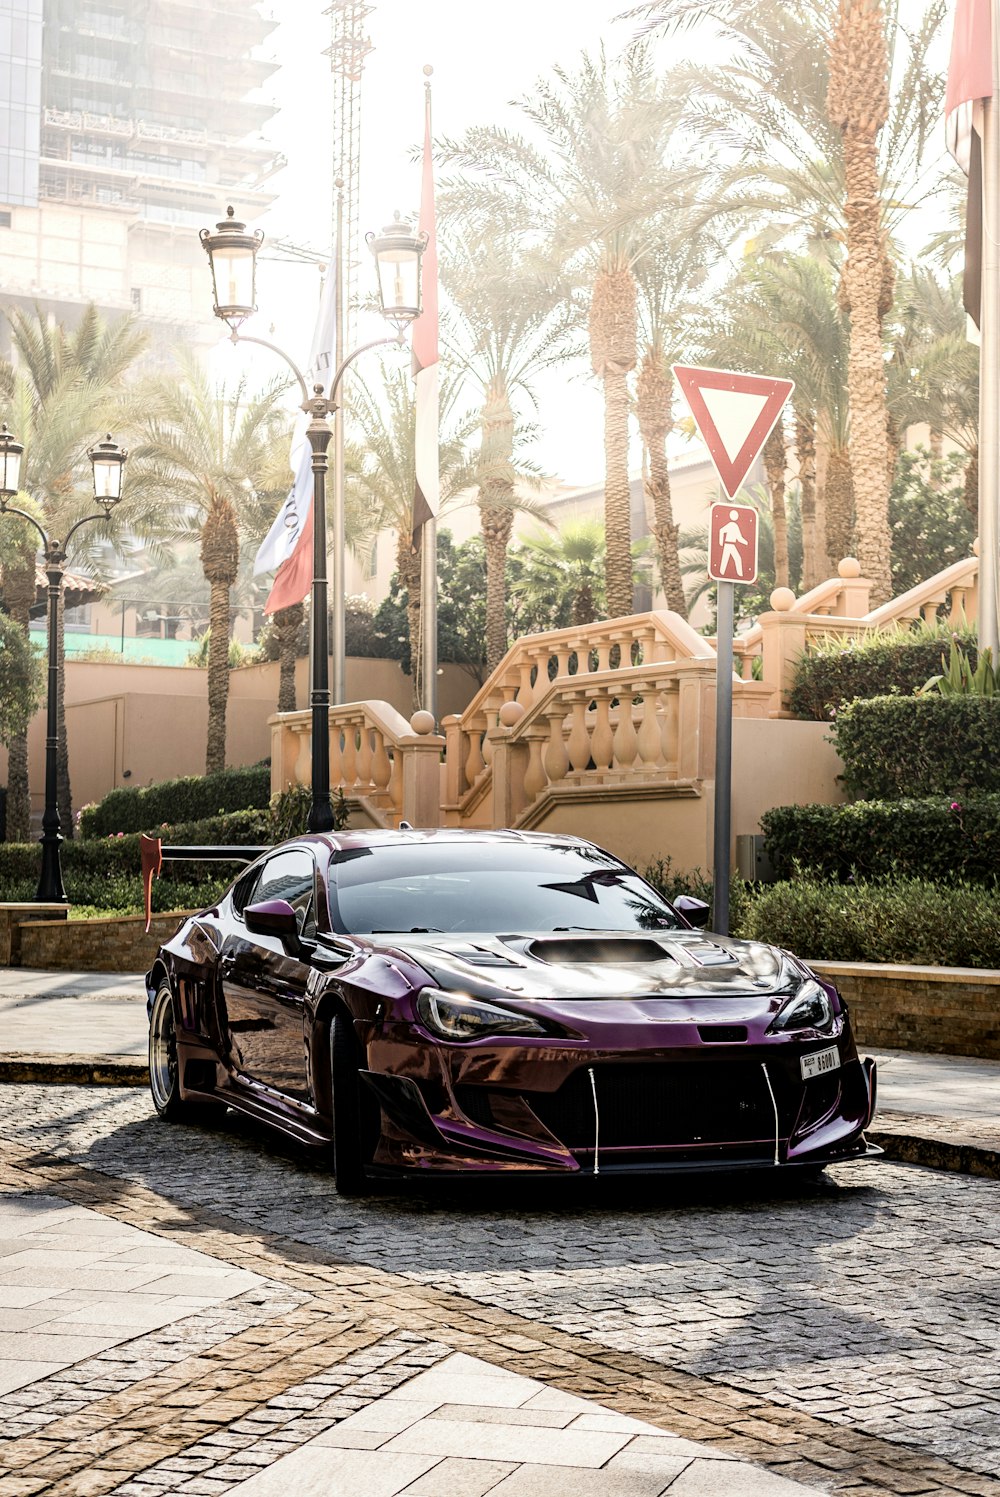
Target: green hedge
[936,838]
[839,671]
[193,798]
[896,747]
[912,920]
[106,872]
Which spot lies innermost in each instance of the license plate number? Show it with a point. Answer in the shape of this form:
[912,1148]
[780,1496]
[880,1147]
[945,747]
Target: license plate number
[820,1062]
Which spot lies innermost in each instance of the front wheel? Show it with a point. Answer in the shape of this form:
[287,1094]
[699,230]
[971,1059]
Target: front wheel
[164,1069]
[349,1110]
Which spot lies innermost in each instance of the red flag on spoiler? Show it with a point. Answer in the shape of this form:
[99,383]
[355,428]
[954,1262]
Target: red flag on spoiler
[970,81]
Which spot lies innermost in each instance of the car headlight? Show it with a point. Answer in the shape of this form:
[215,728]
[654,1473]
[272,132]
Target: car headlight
[809,1009]
[454,1016]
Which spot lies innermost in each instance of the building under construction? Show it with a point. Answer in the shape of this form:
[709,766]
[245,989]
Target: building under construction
[131,123]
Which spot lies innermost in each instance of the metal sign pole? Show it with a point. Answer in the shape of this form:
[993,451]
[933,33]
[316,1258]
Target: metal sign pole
[723,757]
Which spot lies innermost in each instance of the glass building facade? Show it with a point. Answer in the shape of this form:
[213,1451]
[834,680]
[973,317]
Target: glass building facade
[20,100]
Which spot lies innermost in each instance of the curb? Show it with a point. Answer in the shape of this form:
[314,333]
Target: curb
[73,1070]
[957,1155]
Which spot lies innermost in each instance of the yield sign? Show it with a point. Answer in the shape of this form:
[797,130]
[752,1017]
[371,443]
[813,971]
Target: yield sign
[735,414]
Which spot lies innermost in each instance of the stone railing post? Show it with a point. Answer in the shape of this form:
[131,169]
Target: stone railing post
[421,753]
[695,720]
[453,758]
[854,598]
[510,760]
[783,641]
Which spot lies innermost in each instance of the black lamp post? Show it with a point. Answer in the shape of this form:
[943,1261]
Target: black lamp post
[232,255]
[108,462]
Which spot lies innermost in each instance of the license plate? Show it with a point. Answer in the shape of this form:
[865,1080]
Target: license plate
[819,1062]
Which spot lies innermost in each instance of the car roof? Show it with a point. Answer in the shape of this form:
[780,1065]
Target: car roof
[379,837]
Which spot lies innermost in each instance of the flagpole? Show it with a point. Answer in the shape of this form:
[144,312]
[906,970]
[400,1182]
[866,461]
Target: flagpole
[337,633]
[428,542]
[989,363]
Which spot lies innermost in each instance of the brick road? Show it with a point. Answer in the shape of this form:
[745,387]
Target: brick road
[844,1335]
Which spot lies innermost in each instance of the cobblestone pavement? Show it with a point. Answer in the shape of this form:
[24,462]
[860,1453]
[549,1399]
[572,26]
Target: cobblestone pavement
[844,1335]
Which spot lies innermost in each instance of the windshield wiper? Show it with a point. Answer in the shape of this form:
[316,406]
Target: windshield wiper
[414,930]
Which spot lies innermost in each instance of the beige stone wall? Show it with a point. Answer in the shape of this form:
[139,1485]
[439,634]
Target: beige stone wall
[135,724]
[114,945]
[781,762]
[944,1010]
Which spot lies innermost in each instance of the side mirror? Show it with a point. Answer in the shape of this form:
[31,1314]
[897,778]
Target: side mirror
[272,917]
[695,911]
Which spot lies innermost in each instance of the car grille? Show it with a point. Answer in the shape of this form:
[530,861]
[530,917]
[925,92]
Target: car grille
[670,1105]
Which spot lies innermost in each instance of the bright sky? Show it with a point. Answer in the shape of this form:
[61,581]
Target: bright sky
[483,57]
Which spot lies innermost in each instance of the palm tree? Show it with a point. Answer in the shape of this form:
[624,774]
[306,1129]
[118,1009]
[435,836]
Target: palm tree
[781,313]
[595,190]
[380,495]
[564,573]
[671,278]
[818,143]
[64,394]
[512,325]
[858,102]
[212,454]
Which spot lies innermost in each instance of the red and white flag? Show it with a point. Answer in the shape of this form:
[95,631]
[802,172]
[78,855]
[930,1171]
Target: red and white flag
[970,81]
[427,495]
[286,550]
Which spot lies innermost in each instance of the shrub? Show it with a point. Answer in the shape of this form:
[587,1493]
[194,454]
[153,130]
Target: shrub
[190,799]
[917,746]
[937,838]
[839,670]
[912,920]
[289,812]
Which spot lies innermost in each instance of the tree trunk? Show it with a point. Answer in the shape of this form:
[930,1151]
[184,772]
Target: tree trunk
[858,102]
[805,452]
[287,623]
[497,525]
[220,562]
[654,400]
[612,355]
[839,505]
[408,567]
[19,591]
[218,676]
[64,790]
[617,498]
[970,487]
[775,463]
[496,501]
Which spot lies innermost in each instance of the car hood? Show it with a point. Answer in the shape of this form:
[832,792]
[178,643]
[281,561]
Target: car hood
[572,966]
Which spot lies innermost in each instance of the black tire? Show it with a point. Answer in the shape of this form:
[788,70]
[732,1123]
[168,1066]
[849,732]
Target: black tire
[164,1077]
[350,1111]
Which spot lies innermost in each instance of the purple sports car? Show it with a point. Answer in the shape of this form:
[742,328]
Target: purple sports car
[464,1002]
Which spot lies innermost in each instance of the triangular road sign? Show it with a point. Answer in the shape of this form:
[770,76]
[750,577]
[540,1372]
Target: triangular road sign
[735,414]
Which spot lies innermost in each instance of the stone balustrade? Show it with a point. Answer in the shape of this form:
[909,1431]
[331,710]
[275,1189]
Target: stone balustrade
[370,743]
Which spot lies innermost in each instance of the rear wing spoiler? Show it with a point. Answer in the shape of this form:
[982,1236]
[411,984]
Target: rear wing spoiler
[154,855]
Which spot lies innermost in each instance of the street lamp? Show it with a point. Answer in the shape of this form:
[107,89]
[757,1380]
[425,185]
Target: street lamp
[232,255]
[108,464]
[398,252]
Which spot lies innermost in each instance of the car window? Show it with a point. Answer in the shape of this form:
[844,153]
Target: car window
[491,887]
[290,876]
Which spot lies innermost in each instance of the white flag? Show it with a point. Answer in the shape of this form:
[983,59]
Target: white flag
[283,536]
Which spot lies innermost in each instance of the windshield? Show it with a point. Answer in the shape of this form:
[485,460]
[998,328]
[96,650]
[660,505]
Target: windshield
[490,887]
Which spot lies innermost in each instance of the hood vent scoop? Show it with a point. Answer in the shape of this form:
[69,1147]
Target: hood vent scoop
[598,951]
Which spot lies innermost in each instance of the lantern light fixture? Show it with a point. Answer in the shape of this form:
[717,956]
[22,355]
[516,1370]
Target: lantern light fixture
[398,251]
[108,461]
[232,255]
[11,452]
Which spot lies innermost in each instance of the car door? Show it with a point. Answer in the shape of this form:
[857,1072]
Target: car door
[264,979]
